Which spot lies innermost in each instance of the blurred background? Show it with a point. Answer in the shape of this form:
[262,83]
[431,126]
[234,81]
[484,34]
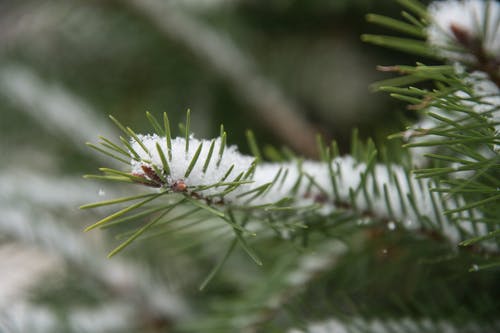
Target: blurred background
[287,69]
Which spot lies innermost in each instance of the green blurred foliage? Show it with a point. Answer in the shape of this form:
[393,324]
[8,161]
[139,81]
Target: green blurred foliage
[121,65]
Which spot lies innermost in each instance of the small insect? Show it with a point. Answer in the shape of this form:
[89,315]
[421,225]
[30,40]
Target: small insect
[179,186]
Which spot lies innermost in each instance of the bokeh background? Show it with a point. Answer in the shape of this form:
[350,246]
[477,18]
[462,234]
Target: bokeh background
[286,69]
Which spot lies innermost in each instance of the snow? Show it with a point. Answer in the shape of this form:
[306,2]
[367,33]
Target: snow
[304,182]
[477,19]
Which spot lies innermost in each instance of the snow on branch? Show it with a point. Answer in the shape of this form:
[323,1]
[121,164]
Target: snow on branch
[460,26]
[467,31]
[215,175]
[480,97]
[304,183]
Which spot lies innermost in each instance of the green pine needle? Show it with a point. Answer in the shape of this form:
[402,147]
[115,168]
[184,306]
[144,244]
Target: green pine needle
[272,154]
[228,172]
[206,207]
[209,156]
[250,170]
[121,212]
[166,167]
[135,217]
[187,129]
[219,265]
[119,125]
[138,233]
[471,241]
[413,20]
[401,44]
[321,148]
[223,136]
[219,184]
[155,124]
[139,141]
[115,201]
[254,147]
[495,198]
[111,145]
[128,175]
[415,6]
[105,152]
[396,25]
[257,190]
[129,147]
[109,178]
[241,240]
[251,253]
[193,161]
[168,135]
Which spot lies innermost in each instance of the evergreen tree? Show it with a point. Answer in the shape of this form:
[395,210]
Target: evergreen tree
[395,236]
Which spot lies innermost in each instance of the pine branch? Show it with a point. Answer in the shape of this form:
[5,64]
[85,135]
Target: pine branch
[361,188]
[457,138]
[467,32]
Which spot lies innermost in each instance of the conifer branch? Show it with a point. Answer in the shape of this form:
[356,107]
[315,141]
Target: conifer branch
[362,188]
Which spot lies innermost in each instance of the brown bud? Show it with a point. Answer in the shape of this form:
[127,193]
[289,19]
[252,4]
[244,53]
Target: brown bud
[179,186]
